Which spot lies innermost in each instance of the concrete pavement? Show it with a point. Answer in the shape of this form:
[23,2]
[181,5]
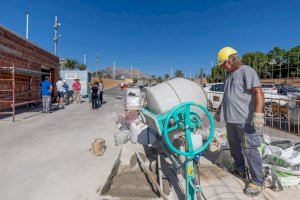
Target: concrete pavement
[47,156]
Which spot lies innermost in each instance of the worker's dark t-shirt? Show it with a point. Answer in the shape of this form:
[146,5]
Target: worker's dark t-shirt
[94,90]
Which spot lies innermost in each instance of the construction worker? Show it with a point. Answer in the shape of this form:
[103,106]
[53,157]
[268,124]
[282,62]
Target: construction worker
[242,111]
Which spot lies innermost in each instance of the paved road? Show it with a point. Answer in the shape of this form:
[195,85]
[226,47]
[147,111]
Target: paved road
[47,156]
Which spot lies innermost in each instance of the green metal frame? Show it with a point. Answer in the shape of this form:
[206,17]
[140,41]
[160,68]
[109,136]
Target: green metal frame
[188,121]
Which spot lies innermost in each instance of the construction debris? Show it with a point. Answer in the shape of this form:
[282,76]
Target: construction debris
[98,147]
[121,137]
[141,133]
[282,157]
[133,99]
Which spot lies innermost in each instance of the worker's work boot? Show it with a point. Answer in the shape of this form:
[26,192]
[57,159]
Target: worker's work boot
[238,173]
[252,190]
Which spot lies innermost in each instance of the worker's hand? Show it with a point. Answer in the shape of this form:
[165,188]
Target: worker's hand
[258,120]
[217,115]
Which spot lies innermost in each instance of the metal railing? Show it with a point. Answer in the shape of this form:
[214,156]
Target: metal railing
[284,115]
[281,114]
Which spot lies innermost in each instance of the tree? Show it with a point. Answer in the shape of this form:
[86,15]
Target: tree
[135,80]
[81,67]
[278,54]
[94,74]
[179,73]
[159,80]
[167,76]
[71,64]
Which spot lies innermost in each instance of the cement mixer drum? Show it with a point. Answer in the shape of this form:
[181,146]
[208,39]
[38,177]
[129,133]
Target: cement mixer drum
[165,96]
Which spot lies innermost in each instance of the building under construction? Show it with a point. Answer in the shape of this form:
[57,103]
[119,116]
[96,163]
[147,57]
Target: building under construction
[23,65]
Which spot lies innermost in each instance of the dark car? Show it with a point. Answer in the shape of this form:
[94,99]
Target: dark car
[287,89]
[279,87]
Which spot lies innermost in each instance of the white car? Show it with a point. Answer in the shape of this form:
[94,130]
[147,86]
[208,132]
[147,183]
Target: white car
[269,88]
[215,91]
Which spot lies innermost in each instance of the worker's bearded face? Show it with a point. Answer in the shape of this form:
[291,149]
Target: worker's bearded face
[228,65]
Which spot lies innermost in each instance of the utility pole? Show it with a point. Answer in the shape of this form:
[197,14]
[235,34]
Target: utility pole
[27,25]
[201,76]
[84,59]
[114,71]
[288,75]
[298,64]
[97,63]
[56,36]
[131,71]
[171,75]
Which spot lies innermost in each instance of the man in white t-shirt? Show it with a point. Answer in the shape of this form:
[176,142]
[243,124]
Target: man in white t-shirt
[60,92]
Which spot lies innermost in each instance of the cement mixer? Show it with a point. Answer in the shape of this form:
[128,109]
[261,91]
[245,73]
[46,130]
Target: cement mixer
[176,109]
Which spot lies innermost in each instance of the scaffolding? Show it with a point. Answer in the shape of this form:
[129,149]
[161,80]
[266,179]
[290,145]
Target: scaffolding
[9,96]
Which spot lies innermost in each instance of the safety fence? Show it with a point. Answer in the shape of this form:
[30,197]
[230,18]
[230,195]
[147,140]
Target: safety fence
[281,114]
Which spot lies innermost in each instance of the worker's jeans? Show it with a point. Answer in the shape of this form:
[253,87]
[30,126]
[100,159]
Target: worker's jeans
[100,99]
[94,101]
[46,103]
[244,140]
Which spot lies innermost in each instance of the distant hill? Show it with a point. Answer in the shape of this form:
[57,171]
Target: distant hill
[122,71]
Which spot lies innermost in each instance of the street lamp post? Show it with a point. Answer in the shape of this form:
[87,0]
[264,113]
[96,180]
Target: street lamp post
[56,36]
[272,63]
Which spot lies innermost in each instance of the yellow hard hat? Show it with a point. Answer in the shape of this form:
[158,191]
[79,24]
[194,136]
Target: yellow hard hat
[224,54]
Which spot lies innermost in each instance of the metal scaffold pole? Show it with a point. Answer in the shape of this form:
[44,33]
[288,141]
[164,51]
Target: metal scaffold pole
[14,92]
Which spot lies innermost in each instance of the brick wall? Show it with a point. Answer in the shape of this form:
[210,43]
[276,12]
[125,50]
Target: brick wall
[17,51]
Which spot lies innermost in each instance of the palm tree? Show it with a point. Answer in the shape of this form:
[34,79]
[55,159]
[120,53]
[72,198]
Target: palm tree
[179,73]
[81,67]
[71,64]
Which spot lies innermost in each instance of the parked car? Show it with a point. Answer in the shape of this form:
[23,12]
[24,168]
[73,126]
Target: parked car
[215,91]
[279,87]
[269,88]
[289,89]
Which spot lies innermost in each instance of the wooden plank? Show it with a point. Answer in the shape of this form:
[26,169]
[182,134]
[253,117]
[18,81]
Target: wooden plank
[151,178]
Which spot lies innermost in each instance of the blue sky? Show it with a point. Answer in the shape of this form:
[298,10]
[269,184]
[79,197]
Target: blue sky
[155,35]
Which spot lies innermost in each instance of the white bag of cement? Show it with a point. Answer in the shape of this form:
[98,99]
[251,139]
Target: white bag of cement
[284,158]
[121,137]
[219,135]
[197,140]
[133,92]
[141,133]
[165,96]
[133,102]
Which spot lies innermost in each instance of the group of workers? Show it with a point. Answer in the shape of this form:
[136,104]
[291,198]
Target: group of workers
[62,89]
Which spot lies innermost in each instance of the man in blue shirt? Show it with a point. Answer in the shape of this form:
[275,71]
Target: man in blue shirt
[46,94]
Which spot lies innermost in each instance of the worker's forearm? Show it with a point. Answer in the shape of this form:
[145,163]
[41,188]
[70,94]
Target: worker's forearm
[259,102]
